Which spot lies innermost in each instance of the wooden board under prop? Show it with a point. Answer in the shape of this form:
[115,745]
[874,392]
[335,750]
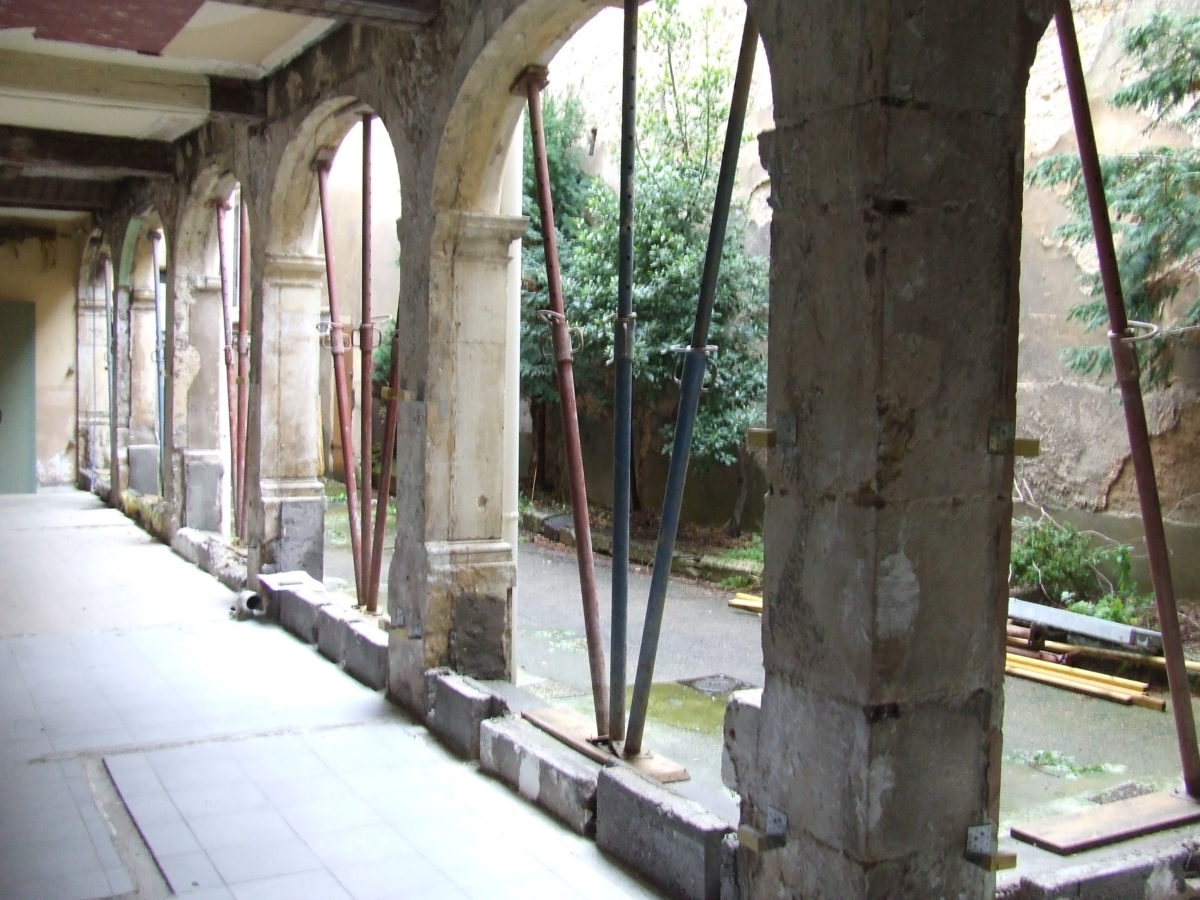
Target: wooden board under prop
[1109,823]
[578,731]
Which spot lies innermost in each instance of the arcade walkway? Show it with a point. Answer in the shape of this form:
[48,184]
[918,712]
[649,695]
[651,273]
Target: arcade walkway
[150,743]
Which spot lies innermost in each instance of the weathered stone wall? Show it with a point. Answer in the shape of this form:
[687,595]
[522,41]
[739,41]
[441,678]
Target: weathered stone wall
[1084,462]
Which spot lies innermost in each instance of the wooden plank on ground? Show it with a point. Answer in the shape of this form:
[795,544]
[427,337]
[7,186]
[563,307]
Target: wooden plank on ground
[1109,823]
[579,732]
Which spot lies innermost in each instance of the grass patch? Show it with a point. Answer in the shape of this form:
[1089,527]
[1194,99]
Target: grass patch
[751,550]
[1060,765]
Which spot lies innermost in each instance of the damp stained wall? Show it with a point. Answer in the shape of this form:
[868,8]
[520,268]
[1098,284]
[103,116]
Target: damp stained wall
[44,271]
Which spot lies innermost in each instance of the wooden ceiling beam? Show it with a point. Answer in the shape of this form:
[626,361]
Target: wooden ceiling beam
[68,194]
[374,12]
[38,152]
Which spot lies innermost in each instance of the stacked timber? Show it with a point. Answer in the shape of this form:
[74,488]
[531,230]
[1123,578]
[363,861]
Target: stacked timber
[1030,656]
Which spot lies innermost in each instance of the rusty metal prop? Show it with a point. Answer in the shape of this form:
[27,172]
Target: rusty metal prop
[220,207]
[390,426]
[337,347]
[623,340]
[530,83]
[243,377]
[691,384]
[366,343]
[1125,366]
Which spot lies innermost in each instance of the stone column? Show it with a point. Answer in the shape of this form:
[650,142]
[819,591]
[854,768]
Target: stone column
[91,365]
[450,597]
[199,379]
[118,400]
[896,191]
[286,509]
[143,392]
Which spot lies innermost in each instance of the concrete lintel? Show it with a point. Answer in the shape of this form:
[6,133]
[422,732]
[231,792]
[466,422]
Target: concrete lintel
[456,707]
[542,770]
[672,841]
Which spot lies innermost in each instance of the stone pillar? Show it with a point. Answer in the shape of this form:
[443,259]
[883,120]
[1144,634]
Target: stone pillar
[118,379]
[286,509]
[199,378]
[450,597]
[91,365]
[896,190]
[143,392]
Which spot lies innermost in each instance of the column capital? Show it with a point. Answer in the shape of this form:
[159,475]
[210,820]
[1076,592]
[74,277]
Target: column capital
[287,268]
[478,235]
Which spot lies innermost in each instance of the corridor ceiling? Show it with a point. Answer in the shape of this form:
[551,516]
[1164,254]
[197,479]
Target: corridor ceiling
[93,92]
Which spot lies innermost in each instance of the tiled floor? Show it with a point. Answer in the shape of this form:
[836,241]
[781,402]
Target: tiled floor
[251,767]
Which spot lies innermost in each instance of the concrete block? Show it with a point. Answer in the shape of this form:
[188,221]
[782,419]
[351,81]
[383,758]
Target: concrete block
[301,544]
[456,707]
[192,545]
[333,630]
[741,736]
[203,472]
[542,770]
[675,843]
[294,599]
[1149,875]
[143,468]
[730,890]
[367,653]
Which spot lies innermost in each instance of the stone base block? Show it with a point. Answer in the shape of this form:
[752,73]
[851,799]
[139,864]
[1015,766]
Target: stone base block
[294,598]
[333,630]
[542,770]
[456,707]
[673,842]
[406,673]
[212,554]
[143,468]
[203,473]
[1150,874]
[192,545]
[367,653]
[741,736]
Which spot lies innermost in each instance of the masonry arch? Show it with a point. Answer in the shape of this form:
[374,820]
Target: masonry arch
[293,432]
[141,307]
[200,457]
[454,571]
[93,362]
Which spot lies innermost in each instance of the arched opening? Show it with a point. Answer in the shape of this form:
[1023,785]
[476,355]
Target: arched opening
[297,427]
[93,365]
[142,304]
[887,211]
[212,291]
[472,185]
[1076,512]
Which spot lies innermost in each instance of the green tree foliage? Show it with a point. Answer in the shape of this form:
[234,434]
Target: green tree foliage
[1153,196]
[683,108]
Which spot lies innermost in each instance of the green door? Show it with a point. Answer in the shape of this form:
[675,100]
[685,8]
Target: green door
[18,427]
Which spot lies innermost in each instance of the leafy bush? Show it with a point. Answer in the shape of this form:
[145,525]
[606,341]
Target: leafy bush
[682,113]
[1064,564]
[1153,198]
